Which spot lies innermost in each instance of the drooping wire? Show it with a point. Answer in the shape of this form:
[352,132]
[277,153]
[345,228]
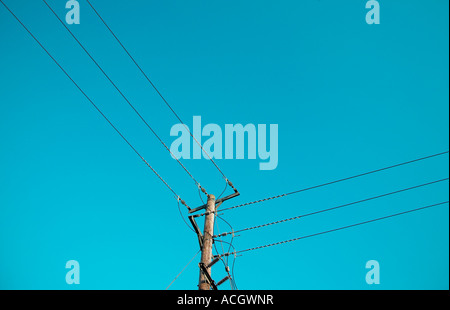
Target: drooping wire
[224,190]
[227,269]
[231,232]
[183,269]
[229,248]
[154,87]
[218,229]
[121,93]
[233,280]
[232,273]
[182,217]
[336,181]
[89,99]
[334,208]
[337,229]
[200,195]
[224,263]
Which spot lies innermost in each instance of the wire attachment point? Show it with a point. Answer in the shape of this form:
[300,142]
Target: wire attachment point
[183,202]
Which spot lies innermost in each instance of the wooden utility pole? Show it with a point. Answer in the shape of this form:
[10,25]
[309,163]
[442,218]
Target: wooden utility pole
[206,240]
[208,233]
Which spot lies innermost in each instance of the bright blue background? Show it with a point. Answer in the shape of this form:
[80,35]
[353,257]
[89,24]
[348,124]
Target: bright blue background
[348,97]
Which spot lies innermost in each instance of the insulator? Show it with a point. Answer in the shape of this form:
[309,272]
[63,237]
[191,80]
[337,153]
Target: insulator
[215,260]
[223,280]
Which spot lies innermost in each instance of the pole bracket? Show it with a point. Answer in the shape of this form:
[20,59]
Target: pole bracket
[218,202]
[197,231]
[211,282]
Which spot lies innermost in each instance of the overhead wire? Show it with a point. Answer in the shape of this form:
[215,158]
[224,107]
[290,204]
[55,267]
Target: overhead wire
[233,281]
[90,100]
[232,233]
[223,192]
[183,269]
[218,229]
[122,95]
[157,91]
[336,229]
[227,269]
[224,263]
[333,208]
[233,264]
[182,217]
[336,181]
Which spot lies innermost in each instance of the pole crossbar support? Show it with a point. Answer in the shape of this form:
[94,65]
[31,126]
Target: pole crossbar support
[197,231]
[204,271]
[218,201]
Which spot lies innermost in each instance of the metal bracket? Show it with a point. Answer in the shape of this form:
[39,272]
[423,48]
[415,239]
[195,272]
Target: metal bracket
[197,231]
[208,276]
[218,202]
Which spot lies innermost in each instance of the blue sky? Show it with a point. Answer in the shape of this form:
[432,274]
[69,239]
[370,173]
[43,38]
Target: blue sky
[348,97]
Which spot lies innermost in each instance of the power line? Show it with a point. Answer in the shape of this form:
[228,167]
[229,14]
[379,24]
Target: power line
[123,96]
[157,91]
[333,208]
[223,192]
[234,260]
[183,269]
[89,99]
[336,181]
[336,229]
[232,234]
[232,279]
[224,264]
[218,229]
[232,272]
[182,217]
[227,268]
